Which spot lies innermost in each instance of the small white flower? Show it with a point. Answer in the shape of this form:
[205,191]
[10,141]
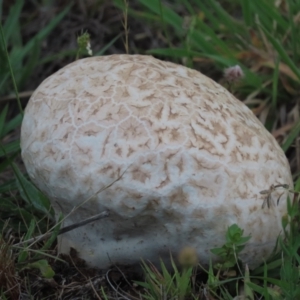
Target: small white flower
[88,48]
[233,74]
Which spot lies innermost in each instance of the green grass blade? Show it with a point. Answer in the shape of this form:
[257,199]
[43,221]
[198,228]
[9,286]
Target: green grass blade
[53,236]
[57,56]
[6,162]
[24,253]
[224,17]
[283,54]
[297,185]
[276,264]
[275,84]
[31,194]
[247,290]
[267,14]
[2,119]
[8,186]
[10,148]
[265,286]
[294,30]
[31,62]
[247,13]
[106,47]
[169,16]
[294,133]
[12,19]
[1,10]
[12,124]
[19,218]
[166,275]
[261,290]
[41,35]
[143,15]
[175,52]
[2,38]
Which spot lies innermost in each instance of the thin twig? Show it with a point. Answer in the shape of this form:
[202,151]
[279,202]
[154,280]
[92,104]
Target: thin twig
[93,288]
[113,287]
[10,97]
[102,215]
[125,24]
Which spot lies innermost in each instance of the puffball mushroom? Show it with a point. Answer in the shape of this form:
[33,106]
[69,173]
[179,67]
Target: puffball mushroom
[188,160]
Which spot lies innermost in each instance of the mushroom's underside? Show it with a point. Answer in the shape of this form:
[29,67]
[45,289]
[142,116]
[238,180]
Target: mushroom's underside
[189,157]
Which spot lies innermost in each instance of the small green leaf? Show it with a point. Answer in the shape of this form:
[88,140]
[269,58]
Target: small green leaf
[43,266]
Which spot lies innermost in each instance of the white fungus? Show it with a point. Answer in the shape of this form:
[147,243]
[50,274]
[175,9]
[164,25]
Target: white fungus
[194,160]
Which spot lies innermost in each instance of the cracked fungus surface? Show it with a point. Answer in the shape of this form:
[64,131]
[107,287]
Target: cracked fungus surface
[194,159]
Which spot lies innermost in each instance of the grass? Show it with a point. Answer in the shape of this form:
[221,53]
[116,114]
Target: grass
[262,37]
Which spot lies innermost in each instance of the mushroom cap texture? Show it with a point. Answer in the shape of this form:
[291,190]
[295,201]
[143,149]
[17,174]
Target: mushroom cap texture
[192,159]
